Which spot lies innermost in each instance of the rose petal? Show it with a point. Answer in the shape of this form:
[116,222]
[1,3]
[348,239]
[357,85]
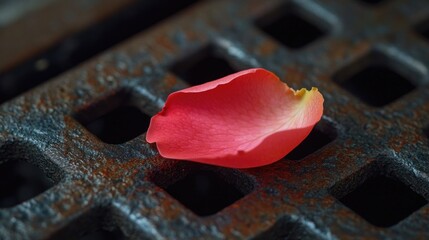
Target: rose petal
[247,119]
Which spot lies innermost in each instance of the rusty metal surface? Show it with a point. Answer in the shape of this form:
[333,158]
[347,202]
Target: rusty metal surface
[370,132]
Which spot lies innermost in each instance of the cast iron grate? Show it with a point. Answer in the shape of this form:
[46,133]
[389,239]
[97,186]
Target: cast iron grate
[290,27]
[372,75]
[383,201]
[114,83]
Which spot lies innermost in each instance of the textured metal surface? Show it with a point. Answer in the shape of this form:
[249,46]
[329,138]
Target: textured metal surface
[372,134]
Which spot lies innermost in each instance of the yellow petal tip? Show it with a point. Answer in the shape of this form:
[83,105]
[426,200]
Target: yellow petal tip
[301,92]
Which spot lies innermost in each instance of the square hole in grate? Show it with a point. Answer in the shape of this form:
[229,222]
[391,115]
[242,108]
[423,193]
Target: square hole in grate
[97,223]
[372,2]
[288,228]
[20,181]
[376,79]
[20,178]
[202,189]
[423,29]
[114,120]
[102,234]
[203,66]
[380,199]
[291,27]
[322,134]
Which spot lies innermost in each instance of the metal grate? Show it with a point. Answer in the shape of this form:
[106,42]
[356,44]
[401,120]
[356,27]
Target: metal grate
[73,157]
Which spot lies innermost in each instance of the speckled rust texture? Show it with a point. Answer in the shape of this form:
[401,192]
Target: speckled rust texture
[115,183]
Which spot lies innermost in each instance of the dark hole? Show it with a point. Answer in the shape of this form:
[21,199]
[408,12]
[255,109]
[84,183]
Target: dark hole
[383,201]
[19,182]
[204,192]
[287,229]
[291,29]
[372,2]
[119,125]
[376,84]
[423,29]
[315,141]
[104,235]
[97,223]
[204,66]
[83,45]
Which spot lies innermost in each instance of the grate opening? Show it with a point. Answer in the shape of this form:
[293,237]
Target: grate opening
[423,29]
[20,181]
[102,234]
[95,224]
[322,134]
[379,198]
[372,75]
[24,174]
[287,228]
[205,190]
[205,65]
[372,2]
[83,45]
[290,27]
[114,120]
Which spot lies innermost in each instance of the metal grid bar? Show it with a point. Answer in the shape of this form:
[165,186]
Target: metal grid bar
[126,185]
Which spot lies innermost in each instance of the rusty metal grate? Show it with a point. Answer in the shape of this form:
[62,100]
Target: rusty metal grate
[77,94]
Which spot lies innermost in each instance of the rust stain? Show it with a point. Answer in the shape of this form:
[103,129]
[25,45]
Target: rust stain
[267,48]
[294,75]
[344,49]
[169,81]
[114,170]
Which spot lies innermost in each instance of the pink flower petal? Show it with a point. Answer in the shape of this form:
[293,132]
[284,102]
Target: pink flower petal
[247,119]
